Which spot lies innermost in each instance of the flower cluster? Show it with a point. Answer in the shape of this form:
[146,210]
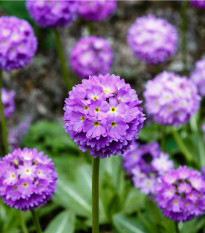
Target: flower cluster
[8,100]
[152,39]
[96,10]
[103,115]
[198,76]
[16,134]
[18,43]
[198,3]
[27,179]
[171,99]
[181,194]
[146,164]
[52,13]
[91,56]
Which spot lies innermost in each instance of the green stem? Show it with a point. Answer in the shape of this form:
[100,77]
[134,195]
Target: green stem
[177,227]
[90,27]
[181,145]
[62,59]
[36,222]
[3,121]
[183,36]
[201,148]
[157,69]
[163,138]
[95,195]
[23,224]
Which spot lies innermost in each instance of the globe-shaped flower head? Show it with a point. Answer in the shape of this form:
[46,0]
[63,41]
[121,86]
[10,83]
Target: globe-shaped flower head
[52,13]
[103,115]
[198,3]
[96,10]
[27,179]
[198,76]
[146,164]
[18,43]
[8,100]
[171,99]
[181,194]
[91,56]
[152,39]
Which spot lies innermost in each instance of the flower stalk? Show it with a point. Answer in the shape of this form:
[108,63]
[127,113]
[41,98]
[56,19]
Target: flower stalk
[95,195]
[3,120]
[36,221]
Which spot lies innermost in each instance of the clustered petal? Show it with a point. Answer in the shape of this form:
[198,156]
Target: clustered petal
[96,10]
[52,13]
[18,43]
[198,3]
[152,39]
[8,100]
[171,99]
[91,56]
[101,120]
[27,179]
[146,164]
[198,76]
[181,194]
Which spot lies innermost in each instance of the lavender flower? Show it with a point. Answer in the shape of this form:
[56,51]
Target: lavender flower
[27,179]
[198,76]
[8,100]
[171,99]
[96,10]
[18,43]
[198,3]
[52,13]
[181,194]
[16,134]
[103,115]
[152,39]
[91,56]
[146,164]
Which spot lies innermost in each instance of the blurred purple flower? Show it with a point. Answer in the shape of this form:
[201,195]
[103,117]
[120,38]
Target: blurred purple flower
[16,134]
[203,130]
[52,13]
[198,3]
[152,39]
[101,121]
[91,56]
[96,10]
[27,179]
[181,194]
[18,43]
[198,76]
[146,164]
[171,99]
[8,100]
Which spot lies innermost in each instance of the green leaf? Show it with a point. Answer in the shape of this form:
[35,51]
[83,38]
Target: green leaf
[126,224]
[62,223]
[150,133]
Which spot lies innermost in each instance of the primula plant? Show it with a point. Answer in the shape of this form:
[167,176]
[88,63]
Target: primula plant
[118,147]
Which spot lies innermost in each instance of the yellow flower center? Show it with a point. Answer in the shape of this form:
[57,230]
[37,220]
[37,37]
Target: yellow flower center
[25,185]
[95,97]
[15,187]
[97,109]
[96,123]
[120,100]
[113,109]
[106,90]
[148,183]
[15,161]
[85,107]
[175,202]
[82,118]
[13,176]
[27,170]
[39,172]
[169,107]
[113,124]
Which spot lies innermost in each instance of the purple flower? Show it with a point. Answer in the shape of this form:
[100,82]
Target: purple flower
[146,164]
[98,121]
[52,13]
[171,99]
[16,134]
[96,10]
[27,179]
[8,100]
[91,56]
[181,194]
[198,76]
[18,43]
[152,39]
[198,3]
